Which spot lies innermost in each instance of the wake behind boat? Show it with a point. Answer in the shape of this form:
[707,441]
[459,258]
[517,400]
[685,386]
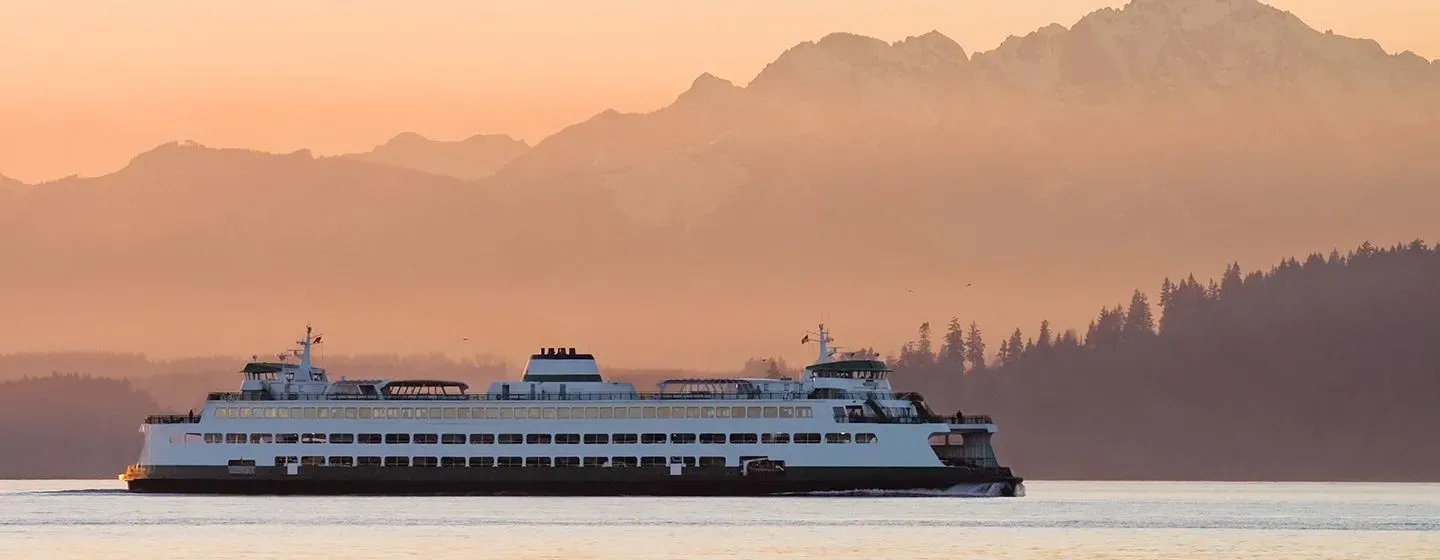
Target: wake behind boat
[562,429]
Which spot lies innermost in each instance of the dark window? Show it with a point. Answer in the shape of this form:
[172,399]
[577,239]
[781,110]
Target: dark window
[624,462]
[368,438]
[712,438]
[482,439]
[537,439]
[282,461]
[567,461]
[744,438]
[482,461]
[567,438]
[712,461]
[452,461]
[864,438]
[511,439]
[427,438]
[235,438]
[397,461]
[425,462]
[597,438]
[775,438]
[214,438]
[625,438]
[837,438]
[367,461]
[312,438]
[342,438]
[682,438]
[537,461]
[652,438]
[287,438]
[452,439]
[807,438]
[312,461]
[652,461]
[342,461]
[594,461]
[687,461]
[397,438]
[509,462]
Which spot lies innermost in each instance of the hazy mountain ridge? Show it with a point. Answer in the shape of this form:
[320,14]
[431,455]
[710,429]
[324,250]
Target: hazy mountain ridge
[472,158]
[910,159]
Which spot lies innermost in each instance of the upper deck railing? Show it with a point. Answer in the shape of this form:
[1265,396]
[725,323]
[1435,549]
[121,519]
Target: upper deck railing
[573,396]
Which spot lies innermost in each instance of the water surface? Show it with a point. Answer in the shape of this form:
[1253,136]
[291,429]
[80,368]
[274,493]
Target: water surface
[1055,520]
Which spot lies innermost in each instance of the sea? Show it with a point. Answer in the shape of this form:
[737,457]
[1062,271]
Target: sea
[85,519]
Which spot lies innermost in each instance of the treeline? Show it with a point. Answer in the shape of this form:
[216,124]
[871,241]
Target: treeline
[1321,369]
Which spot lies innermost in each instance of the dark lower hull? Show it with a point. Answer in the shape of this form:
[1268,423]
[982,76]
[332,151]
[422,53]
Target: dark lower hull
[633,481]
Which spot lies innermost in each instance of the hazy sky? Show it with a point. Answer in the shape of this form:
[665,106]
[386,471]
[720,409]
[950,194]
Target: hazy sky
[86,85]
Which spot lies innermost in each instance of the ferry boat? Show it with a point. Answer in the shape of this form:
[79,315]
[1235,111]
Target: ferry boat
[563,429]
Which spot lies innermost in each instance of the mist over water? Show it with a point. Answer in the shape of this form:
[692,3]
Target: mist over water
[1057,520]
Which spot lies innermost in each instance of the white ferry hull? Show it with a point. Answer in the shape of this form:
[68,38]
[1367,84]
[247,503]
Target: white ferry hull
[601,481]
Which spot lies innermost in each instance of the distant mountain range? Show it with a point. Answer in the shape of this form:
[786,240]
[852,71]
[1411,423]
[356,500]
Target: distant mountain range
[854,178]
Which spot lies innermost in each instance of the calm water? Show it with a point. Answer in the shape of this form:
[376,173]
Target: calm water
[97,519]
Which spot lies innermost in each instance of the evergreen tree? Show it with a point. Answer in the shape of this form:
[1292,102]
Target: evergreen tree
[975,347]
[1106,331]
[1016,345]
[952,348]
[1043,342]
[1139,323]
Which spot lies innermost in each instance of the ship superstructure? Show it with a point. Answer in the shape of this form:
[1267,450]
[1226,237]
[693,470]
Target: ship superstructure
[563,429]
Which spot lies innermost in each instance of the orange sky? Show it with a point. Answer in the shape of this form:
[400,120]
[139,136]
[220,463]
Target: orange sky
[86,85]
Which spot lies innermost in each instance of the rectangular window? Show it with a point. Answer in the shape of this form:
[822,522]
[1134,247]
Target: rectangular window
[775,438]
[722,412]
[453,439]
[652,438]
[364,413]
[367,461]
[787,412]
[342,461]
[477,412]
[482,461]
[287,438]
[462,413]
[282,413]
[511,439]
[323,413]
[562,413]
[592,412]
[452,461]
[802,412]
[262,438]
[407,413]
[682,438]
[392,413]
[282,461]
[244,413]
[535,413]
[397,438]
[492,413]
[537,439]
[482,439]
[312,438]
[567,461]
[567,439]
[507,414]
[772,412]
[549,413]
[712,438]
[624,462]
[397,461]
[692,412]
[737,412]
[368,438]
[752,412]
[607,412]
[426,438]
[707,412]
[637,412]
[342,438]
[807,438]
[625,438]
[342,412]
[663,412]
[213,438]
[619,412]
[425,462]
[450,415]
[837,438]
[652,461]
[712,461]
[577,412]
[235,438]
[864,438]
[744,438]
[269,412]
[597,438]
[309,412]
[687,461]
[312,461]
[594,461]
[509,462]
[649,412]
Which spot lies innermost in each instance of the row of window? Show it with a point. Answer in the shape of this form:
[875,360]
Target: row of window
[514,412]
[531,439]
[343,461]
